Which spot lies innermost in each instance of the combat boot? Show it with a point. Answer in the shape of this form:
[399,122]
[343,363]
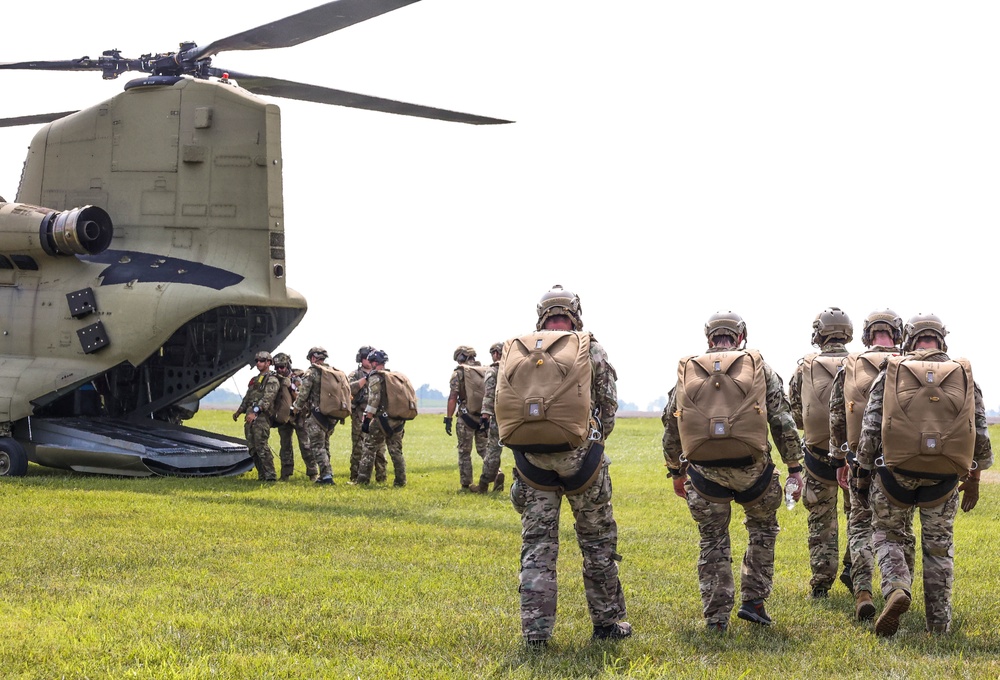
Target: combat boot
[615,631]
[754,612]
[895,606]
[477,488]
[498,482]
[718,627]
[864,608]
[846,578]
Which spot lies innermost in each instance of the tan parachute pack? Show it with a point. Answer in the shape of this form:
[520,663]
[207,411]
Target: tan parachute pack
[543,391]
[334,392]
[818,372]
[399,399]
[722,406]
[283,402]
[860,370]
[473,388]
[928,416]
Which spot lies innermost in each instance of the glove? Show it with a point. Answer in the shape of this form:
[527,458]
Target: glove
[366,425]
[970,493]
[862,489]
[484,423]
[447,425]
[236,416]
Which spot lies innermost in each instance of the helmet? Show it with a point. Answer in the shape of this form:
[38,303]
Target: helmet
[496,348]
[463,353]
[317,352]
[726,323]
[559,302]
[921,325]
[282,360]
[262,356]
[832,324]
[886,320]
[363,353]
[377,356]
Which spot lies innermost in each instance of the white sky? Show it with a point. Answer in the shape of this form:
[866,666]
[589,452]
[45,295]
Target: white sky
[669,159]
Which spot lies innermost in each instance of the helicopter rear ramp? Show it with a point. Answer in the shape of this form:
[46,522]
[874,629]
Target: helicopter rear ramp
[131,448]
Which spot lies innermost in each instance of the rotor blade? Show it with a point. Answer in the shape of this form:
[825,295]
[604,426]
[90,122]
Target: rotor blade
[276,87]
[84,64]
[302,27]
[33,120]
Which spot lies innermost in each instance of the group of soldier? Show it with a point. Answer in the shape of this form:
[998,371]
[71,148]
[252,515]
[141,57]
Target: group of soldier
[717,451]
[289,399]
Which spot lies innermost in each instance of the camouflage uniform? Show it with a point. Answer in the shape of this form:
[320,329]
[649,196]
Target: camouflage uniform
[377,437]
[359,398]
[261,392]
[859,521]
[892,523]
[715,570]
[820,493]
[295,425]
[596,529]
[493,451]
[319,433]
[464,432]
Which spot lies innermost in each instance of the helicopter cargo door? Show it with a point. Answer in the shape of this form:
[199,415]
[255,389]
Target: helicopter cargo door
[145,130]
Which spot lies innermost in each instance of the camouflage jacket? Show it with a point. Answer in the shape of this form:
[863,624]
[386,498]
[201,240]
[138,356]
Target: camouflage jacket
[603,387]
[261,393]
[359,394]
[830,349]
[779,419]
[457,383]
[308,395]
[490,385]
[838,406]
[870,447]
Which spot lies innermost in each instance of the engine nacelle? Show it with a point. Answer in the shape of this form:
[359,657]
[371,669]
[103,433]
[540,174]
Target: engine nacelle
[31,230]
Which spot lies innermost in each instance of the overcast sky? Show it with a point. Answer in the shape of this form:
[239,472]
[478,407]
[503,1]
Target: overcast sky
[669,159]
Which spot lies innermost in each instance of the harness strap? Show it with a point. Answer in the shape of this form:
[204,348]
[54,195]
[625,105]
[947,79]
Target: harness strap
[716,493]
[818,468]
[549,480]
[924,496]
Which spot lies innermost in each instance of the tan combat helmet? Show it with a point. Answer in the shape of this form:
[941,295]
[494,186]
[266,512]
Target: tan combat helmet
[317,352]
[727,323]
[463,353]
[282,360]
[885,320]
[921,325]
[496,348]
[262,356]
[560,302]
[832,324]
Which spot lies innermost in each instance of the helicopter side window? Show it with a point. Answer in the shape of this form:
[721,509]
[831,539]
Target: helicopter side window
[5,263]
[25,262]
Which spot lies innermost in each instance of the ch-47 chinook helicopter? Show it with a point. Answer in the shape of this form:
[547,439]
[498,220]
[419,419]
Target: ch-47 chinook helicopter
[142,263]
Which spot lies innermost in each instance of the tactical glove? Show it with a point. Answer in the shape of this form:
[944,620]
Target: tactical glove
[447,425]
[484,423]
[862,489]
[236,416]
[366,425]
[970,493]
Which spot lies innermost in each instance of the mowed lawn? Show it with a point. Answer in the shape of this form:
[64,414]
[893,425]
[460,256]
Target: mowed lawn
[230,578]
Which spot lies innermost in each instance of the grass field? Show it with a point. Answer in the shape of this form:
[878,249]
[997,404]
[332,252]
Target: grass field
[230,578]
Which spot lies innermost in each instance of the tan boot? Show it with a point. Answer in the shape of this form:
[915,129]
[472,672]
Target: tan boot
[864,608]
[477,488]
[498,482]
[895,606]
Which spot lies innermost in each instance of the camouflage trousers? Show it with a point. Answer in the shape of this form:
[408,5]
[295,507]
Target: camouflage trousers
[357,445]
[377,440]
[319,445]
[466,436]
[597,536]
[715,560]
[859,542]
[491,456]
[892,536]
[820,499]
[287,454]
[257,434]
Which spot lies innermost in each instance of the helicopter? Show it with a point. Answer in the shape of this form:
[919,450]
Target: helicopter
[142,262]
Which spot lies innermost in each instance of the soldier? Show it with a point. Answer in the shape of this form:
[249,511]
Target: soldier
[359,393]
[921,464]
[258,405]
[491,460]
[386,430]
[882,333]
[581,474]
[469,427]
[719,452]
[318,427]
[291,380]
[809,395]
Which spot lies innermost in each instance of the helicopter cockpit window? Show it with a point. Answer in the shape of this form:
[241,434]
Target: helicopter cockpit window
[25,262]
[5,263]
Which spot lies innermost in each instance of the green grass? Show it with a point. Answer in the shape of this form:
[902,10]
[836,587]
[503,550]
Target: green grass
[228,578]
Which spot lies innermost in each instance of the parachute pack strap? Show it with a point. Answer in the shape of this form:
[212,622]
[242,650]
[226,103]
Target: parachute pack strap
[549,480]
[469,420]
[927,496]
[819,468]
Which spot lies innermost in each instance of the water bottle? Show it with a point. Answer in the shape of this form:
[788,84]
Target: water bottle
[791,486]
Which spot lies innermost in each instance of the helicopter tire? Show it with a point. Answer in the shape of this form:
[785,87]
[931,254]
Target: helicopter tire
[13,459]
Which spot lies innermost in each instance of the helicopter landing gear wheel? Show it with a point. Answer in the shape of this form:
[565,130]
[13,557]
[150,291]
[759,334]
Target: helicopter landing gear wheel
[13,459]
